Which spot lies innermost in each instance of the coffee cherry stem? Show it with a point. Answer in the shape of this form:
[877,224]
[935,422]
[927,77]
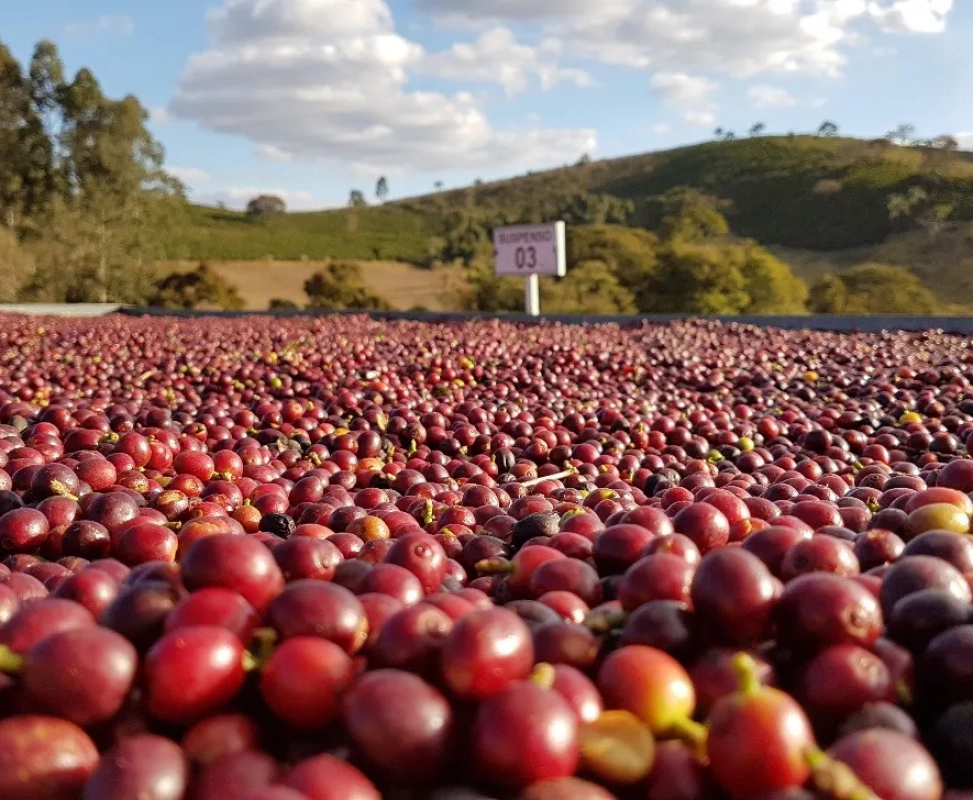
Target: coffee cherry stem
[62,490]
[11,663]
[692,733]
[836,779]
[746,671]
[495,566]
[601,624]
[264,642]
[555,477]
[543,675]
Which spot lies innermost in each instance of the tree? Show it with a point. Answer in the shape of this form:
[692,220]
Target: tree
[357,198]
[266,205]
[827,128]
[47,87]
[16,266]
[204,287]
[872,289]
[695,278]
[692,215]
[916,205]
[282,304]
[590,288]
[339,286]
[81,183]
[438,185]
[770,284]
[902,134]
[487,292]
[382,188]
[630,254]
[757,128]
[15,106]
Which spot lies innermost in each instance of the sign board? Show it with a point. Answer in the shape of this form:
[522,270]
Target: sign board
[530,250]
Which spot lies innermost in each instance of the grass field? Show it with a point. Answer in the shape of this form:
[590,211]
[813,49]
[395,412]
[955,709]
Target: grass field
[403,285]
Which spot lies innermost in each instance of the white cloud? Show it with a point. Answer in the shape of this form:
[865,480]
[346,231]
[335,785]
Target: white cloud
[912,16]
[699,119]
[106,23]
[965,140]
[764,96]
[189,175]
[497,57]
[327,80]
[238,197]
[743,37]
[662,129]
[691,95]
[158,114]
[491,11]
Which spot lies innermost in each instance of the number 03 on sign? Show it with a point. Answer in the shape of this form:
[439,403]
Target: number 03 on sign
[530,251]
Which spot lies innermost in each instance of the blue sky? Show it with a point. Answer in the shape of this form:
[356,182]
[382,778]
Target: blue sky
[311,98]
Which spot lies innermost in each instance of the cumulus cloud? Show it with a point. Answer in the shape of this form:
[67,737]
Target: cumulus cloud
[497,57]
[691,95]
[912,16]
[106,23]
[744,37]
[764,96]
[327,80]
[965,140]
[522,10]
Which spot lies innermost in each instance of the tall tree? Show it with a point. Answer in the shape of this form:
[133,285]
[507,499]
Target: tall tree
[111,224]
[14,107]
[382,188]
[902,134]
[46,85]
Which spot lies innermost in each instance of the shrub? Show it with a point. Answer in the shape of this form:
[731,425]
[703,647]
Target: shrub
[340,286]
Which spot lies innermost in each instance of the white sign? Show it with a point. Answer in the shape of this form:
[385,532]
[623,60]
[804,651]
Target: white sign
[530,250]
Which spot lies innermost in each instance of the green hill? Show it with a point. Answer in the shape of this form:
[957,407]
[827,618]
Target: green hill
[821,203]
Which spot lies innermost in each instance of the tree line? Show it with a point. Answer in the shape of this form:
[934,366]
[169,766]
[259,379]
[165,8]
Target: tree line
[85,204]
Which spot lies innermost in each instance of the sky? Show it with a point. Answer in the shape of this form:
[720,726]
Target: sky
[310,99]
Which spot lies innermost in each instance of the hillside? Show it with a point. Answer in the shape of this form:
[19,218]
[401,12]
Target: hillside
[820,203]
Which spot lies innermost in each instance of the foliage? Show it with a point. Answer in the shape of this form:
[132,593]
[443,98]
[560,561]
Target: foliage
[81,183]
[15,266]
[340,286]
[281,304]
[630,254]
[697,279]
[486,292]
[590,288]
[201,288]
[771,286]
[871,289]
[356,198]
[266,205]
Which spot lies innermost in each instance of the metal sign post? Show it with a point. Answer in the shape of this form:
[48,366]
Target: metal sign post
[530,251]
